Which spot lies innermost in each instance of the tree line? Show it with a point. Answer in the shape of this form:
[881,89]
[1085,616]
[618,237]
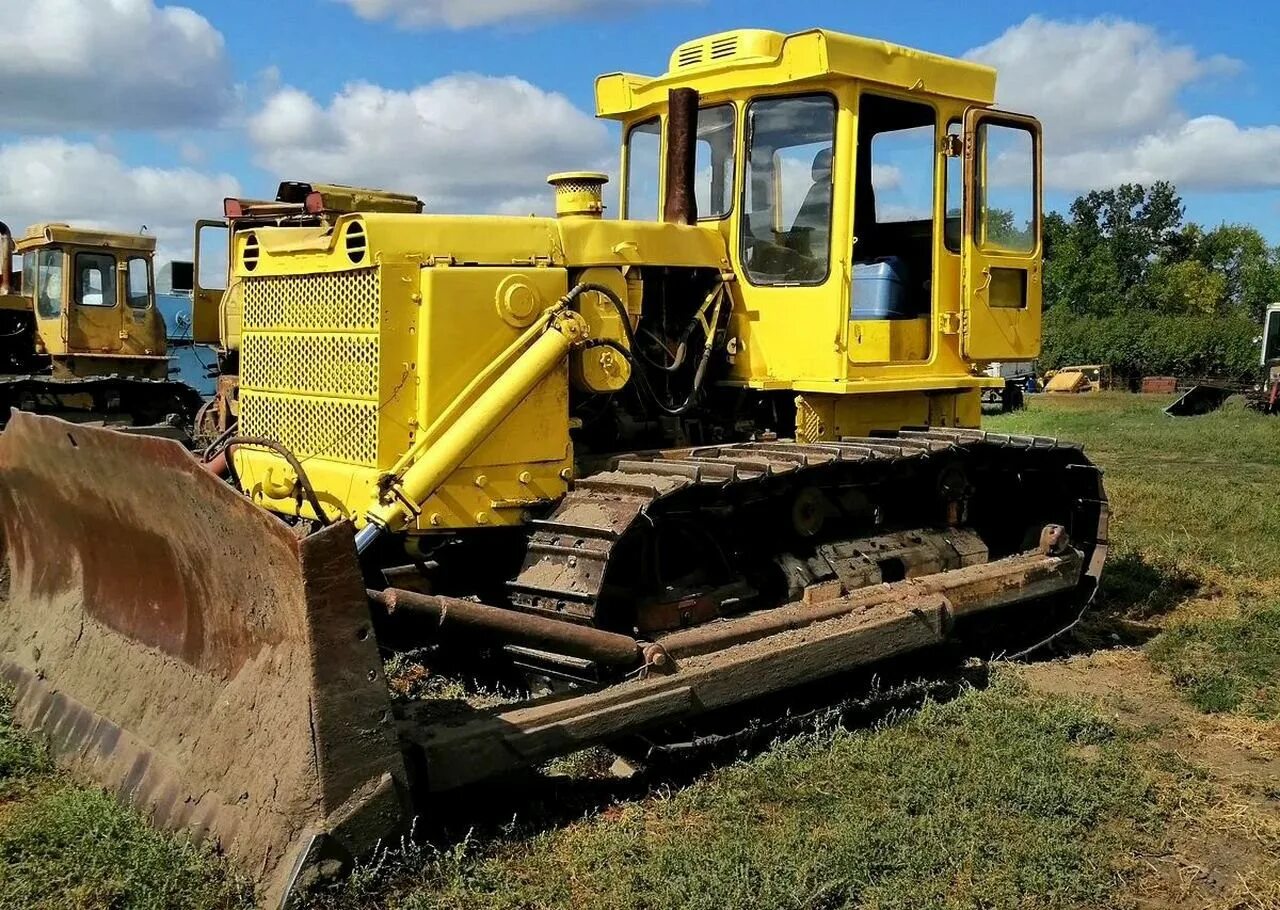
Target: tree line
[1129,282]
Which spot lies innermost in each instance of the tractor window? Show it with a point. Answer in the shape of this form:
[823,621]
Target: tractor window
[644,154]
[786,228]
[95,279]
[713,172]
[49,284]
[139,283]
[893,206]
[29,272]
[955,193]
[1271,338]
[1006,206]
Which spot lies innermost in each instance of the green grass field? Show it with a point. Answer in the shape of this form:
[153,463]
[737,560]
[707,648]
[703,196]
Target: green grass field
[1137,766]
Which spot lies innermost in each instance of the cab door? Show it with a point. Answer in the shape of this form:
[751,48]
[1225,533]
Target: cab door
[209,280]
[1001,249]
[94,317]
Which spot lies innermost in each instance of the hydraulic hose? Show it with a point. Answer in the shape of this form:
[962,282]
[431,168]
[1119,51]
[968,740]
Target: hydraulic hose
[303,480]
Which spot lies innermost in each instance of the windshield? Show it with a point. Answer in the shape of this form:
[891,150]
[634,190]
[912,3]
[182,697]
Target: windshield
[48,283]
[786,236]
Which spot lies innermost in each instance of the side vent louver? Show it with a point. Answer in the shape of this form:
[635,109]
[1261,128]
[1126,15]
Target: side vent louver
[357,243]
[689,55]
[723,48]
[251,252]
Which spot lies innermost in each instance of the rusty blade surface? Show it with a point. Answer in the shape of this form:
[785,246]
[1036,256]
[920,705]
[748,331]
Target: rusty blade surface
[182,648]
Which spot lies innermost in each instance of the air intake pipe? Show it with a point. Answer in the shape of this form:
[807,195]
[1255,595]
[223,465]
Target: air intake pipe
[680,206]
[6,259]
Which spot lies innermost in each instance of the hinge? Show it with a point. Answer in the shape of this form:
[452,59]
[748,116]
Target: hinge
[434,261]
[538,262]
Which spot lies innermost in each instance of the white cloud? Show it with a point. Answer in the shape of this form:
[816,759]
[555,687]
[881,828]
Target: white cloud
[886,177]
[110,64]
[1108,90]
[1205,153]
[463,142]
[51,179]
[459,14]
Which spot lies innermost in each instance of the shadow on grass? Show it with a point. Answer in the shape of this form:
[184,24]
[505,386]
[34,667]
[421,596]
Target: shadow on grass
[527,804]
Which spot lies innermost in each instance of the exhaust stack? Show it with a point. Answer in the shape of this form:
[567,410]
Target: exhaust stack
[6,259]
[680,205]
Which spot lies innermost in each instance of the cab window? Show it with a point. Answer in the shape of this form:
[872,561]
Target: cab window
[644,146]
[138,283]
[95,280]
[1006,211]
[786,226]
[49,283]
[713,168]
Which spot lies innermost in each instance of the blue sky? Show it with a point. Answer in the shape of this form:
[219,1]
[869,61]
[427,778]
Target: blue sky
[143,111]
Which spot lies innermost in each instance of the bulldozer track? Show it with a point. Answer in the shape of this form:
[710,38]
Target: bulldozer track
[569,553]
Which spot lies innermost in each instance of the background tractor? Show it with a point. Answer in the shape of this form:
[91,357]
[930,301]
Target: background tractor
[80,335]
[634,470]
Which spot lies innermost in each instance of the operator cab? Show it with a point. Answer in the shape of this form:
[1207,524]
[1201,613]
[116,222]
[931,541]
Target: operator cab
[93,296]
[857,183]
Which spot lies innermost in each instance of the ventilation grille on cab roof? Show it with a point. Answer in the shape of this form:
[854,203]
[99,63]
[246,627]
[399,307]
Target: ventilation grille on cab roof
[707,50]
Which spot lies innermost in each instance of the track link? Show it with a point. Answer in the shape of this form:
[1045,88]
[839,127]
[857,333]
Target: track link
[569,554]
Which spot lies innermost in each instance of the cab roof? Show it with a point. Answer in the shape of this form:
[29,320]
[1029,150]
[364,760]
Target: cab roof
[754,58]
[41,234]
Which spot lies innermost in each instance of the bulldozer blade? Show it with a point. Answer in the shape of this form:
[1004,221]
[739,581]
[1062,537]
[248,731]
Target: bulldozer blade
[185,650]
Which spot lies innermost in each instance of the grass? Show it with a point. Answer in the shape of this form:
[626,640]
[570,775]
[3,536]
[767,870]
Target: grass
[65,847]
[1000,797]
[1228,664]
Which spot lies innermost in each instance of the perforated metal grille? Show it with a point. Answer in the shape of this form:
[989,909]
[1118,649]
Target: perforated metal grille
[310,363]
[334,364]
[343,301]
[343,430]
[582,185]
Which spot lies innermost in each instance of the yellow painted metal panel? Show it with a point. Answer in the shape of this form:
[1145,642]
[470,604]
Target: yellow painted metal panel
[751,59]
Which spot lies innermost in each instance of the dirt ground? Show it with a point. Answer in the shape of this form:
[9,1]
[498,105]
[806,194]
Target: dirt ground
[1222,771]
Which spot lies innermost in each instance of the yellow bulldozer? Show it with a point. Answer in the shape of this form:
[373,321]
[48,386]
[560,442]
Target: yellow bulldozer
[80,334]
[652,467]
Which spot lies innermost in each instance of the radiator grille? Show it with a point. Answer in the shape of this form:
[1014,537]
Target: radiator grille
[344,366]
[341,301]
[310,363]
[341,430]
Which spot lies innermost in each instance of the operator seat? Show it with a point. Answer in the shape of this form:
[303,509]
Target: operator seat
[815,212]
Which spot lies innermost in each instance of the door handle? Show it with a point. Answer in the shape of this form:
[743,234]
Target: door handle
[986,274]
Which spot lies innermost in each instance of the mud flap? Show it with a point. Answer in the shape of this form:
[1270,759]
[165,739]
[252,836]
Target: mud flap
[185,650]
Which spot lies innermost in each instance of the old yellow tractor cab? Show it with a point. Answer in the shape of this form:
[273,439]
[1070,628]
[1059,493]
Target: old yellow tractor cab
[868,195]
[82,337]
[93,297]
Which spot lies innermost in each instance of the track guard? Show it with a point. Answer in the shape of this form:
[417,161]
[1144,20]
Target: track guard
[183,649]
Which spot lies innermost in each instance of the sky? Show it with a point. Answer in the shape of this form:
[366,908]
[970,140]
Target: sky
[124,113]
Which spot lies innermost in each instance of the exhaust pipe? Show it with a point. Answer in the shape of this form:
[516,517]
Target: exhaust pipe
[680,205]
[6,259]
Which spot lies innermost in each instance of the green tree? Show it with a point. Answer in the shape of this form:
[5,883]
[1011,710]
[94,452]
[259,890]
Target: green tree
[1249,267]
